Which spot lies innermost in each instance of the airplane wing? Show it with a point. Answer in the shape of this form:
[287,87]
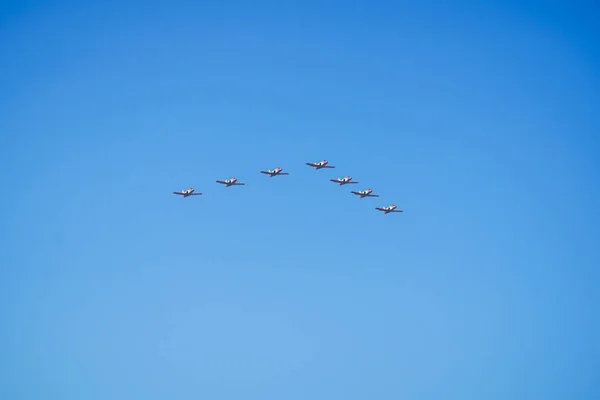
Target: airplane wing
[311,164]
[334,180]
[380,209]
[265,172]
[352,182]
[224,183]
[373,195]
[239,184]
[179,193]
[397,210]
[283,173]
[328,166]
[353,192]
[196,194]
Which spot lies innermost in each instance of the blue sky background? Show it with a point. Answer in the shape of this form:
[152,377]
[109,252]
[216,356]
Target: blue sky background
[479,120]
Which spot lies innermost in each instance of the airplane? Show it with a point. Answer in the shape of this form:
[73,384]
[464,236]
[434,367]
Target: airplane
[343,181]
[276,171]
[231,182]
[320,164]
[365,193]
[389,209]
[188,192]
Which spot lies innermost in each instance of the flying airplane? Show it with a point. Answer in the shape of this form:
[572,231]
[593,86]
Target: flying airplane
[276,171]
[188,192]
[320,164]
[343,181]
[389,209]
[231,182]
[365,193]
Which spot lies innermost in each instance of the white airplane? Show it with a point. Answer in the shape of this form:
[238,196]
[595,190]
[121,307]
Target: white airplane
[389,209]
[320,164]
[231,182]
[276,171]
[365,193]
[187,192]
[343,181]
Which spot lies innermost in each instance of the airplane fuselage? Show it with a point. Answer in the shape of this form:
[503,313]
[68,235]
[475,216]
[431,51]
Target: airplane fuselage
[365,193]
[230,182]
[187,192]
[274,172]
[320,164]
[343,181]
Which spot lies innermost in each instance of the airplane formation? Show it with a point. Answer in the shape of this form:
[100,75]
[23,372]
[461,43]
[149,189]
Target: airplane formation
[318,165]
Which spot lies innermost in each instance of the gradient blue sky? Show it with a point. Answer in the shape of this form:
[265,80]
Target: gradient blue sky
[480,120]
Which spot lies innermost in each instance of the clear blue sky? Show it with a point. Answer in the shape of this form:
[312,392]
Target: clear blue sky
[479,120]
